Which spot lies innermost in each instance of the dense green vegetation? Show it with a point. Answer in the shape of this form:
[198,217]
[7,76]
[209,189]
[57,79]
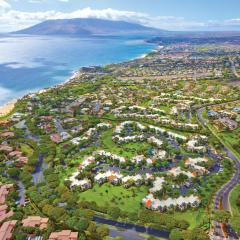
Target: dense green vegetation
[146,125]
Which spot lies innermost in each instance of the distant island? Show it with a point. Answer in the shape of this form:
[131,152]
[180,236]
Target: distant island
[87,27]
[93,26]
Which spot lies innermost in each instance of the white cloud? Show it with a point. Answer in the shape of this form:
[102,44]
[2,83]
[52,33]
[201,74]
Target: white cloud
[11,19]
[40,1]
[35,1]
[4,4]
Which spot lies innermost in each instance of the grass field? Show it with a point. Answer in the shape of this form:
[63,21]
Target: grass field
[26,149]
[225,140]
[130,200]
[126,150]
[116,196]
[232,138]
[194,217]
[233,197]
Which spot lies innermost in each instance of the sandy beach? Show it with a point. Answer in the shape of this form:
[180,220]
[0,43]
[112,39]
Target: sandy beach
[7,108]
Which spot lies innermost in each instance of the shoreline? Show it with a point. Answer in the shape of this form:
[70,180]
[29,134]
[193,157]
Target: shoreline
[8,107]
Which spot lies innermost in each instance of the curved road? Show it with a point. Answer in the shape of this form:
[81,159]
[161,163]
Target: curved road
[222,196]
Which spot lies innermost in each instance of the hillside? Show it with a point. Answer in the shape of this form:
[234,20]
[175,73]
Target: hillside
[85,27]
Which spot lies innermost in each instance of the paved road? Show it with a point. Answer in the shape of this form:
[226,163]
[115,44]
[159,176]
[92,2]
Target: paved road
[37,175]
[58,126]
[224,192]
[21,193]
[222,196]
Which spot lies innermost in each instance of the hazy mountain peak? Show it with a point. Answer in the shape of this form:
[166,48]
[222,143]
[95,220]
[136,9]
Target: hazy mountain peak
[85,26]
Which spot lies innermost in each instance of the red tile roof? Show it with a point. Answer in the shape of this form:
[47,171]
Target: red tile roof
[6,230]
[56,138]
[4,190]
[6,148]
[148,203]
[15,153]
[64,235]
[4,214]
[35,221]
[7,134]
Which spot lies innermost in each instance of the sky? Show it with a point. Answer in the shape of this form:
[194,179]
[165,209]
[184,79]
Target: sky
[165,14]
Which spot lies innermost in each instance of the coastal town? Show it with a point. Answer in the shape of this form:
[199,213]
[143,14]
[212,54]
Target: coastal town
[147,145]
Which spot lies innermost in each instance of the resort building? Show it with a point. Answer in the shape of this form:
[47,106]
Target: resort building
[4,190]
[6,230]
[83,184]
[35,221]
[177,171]
[4,213]
[64,235]
[180,203]
[157,185]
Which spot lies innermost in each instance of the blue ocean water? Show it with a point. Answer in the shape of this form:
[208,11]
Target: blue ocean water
[30,63]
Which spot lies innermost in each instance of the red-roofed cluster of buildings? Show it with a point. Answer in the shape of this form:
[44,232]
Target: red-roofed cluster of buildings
[6,148]
[4,213]
[64,235]
[21,160]
[6,230]
[56,138]
[35,221]
[7,134]
[4,190]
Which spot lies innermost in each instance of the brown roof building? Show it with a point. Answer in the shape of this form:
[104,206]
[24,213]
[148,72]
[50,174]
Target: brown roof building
[4,190]
[46,118]
[35,221]
[56,138]
[6,148]
[64,235]
[21,161]
[7,134]
[15,154]
[4,214]
[6,230]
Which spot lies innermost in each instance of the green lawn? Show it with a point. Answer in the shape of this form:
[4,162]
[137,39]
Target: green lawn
[26,149]
[224,139]
[195,217]
[108,195]
[126,150]
[232,138]
[233,197]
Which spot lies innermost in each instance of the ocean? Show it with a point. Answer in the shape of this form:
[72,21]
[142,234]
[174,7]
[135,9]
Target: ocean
[31,63]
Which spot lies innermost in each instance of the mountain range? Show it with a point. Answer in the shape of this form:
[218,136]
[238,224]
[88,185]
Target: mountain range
[86,27]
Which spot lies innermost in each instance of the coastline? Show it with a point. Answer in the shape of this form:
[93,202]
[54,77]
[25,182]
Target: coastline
[8,107]
[142,56]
